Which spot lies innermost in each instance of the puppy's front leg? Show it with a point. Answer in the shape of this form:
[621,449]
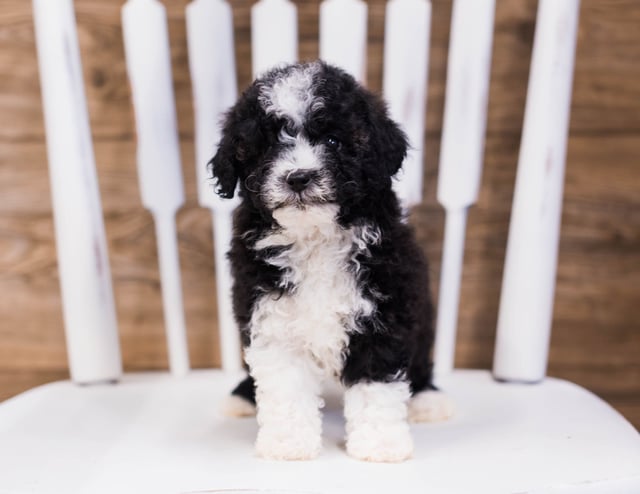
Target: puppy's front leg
[377,428]
[288,403]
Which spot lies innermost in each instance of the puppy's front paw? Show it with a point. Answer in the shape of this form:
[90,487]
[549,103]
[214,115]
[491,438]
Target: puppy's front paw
[391,443]
[288,443]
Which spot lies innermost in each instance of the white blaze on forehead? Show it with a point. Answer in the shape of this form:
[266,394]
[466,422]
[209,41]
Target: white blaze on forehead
[302,156]
[291,95]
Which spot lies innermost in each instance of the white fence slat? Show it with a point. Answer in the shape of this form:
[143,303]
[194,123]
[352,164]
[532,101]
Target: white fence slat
[229,335]
[213,79]
[461,154]
[406,62]
[274,34]
[146,41]
[449,291]
[87,296]
[212,68]
[343,36]
[465,114]
[171,288]
[528,285]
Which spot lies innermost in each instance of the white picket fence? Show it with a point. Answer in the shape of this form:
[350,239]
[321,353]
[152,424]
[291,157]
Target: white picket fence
[528,286]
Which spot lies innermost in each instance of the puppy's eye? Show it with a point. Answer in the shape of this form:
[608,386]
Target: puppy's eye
[289,129]
[332,142]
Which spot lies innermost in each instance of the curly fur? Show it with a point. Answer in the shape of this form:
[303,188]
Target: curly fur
[329,280]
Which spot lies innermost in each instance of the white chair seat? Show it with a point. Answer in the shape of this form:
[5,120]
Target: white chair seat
[155,433]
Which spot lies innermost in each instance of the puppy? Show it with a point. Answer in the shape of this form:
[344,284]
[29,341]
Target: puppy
[328,280]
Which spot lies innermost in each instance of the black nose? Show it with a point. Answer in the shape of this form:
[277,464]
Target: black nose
[298,181]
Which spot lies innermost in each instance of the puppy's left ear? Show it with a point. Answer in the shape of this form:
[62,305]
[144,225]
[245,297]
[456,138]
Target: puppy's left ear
[391,142]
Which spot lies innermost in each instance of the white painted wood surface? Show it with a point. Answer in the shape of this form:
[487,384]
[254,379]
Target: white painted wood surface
[152,433]
[146,41]
[528,285]
[406,62]
[343,36]
[461,154]
[160,435]
[274,34]
[87,297]
[213,82]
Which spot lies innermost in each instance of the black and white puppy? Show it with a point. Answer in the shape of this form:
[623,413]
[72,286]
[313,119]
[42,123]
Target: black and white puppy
[328,280]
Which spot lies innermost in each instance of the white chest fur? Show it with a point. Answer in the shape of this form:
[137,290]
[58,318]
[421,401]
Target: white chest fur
[315,317]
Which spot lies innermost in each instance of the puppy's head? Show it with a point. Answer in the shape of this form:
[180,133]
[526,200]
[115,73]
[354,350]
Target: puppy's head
[308,134]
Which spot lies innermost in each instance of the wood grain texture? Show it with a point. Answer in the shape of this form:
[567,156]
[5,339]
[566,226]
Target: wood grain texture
[596,329]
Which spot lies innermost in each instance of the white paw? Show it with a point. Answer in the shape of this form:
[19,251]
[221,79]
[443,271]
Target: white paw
[390,443]
[430,406]
[234,406]
[288,443]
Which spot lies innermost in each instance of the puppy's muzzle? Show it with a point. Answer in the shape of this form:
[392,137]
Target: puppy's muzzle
[300,180]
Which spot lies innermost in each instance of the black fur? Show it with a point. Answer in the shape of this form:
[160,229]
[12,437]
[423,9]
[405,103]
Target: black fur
[395,342]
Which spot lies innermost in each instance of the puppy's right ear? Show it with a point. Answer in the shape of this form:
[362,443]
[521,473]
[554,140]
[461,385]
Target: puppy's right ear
[224,168]
[241,144]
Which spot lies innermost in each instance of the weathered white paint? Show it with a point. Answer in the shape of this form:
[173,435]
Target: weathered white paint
[406,62]
[528,285]
[146,42]
[343,36]
[461,154]
[85,279]
[152,433]
[214,87]
[274,34]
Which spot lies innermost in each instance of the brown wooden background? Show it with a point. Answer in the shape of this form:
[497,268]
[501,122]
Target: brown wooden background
[596,334]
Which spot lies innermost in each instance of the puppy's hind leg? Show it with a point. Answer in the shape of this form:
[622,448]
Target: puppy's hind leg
[430,406]
[427,403]
[242,400]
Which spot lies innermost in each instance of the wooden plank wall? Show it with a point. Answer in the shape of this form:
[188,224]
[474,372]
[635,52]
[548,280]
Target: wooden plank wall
[596,335]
